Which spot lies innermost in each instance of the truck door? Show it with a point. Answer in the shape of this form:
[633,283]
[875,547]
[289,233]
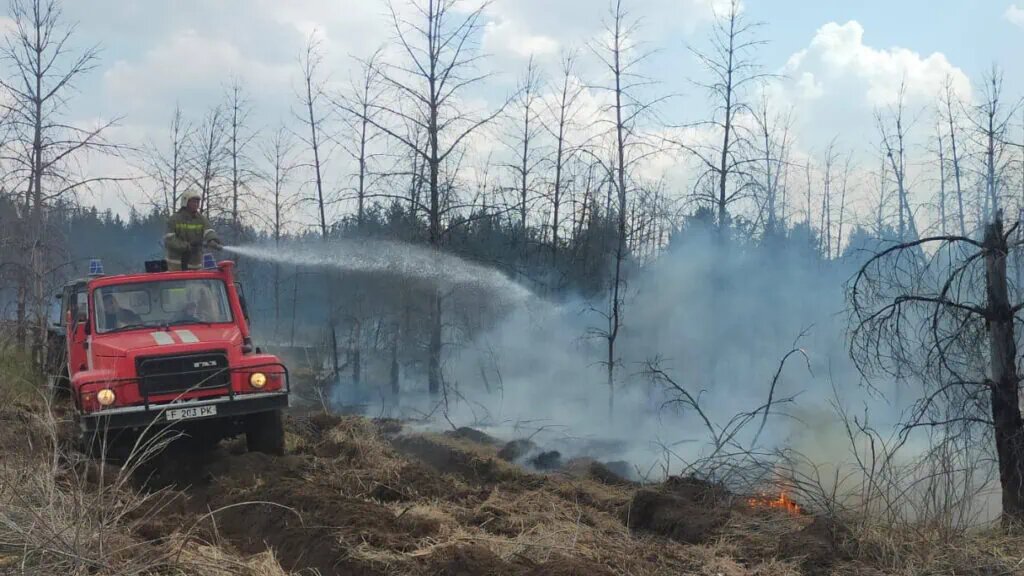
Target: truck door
[78,328]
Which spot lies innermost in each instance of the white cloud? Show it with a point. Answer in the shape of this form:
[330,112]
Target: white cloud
[506,36]
[708,9]
[1015,15]
[808,86]
[838,64]
[188,62]
[836,83]
[690,16]
[357,28]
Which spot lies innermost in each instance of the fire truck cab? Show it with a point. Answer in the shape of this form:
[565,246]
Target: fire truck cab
[157,349]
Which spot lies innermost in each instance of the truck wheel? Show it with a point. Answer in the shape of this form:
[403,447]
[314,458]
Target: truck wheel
[264,432]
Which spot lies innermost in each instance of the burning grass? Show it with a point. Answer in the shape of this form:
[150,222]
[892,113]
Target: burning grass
[781,502]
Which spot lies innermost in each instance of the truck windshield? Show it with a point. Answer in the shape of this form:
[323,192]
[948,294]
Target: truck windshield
[164,303]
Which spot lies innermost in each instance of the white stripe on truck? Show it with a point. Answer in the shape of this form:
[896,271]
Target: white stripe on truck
[162,338]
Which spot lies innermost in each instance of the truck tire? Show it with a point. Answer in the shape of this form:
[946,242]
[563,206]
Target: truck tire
[264,432]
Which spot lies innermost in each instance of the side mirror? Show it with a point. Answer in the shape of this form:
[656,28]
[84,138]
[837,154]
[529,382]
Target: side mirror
[245,307]
[241,300]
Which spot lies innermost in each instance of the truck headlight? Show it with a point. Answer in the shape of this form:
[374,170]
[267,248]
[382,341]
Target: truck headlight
[258,380]
[106,397]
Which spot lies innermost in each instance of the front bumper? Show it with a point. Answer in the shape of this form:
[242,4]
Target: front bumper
[154,415]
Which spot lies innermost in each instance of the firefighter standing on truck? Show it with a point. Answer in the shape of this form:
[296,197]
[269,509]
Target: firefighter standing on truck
[188,232]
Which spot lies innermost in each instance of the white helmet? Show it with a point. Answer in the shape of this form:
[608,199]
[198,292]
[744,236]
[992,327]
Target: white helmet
[188,195]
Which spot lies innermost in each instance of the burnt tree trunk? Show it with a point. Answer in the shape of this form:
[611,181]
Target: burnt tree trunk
[356,347]
[335,368]
[434,349]
[395,373]
[1006,414]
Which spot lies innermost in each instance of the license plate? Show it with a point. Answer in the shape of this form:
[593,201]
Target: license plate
[187,413]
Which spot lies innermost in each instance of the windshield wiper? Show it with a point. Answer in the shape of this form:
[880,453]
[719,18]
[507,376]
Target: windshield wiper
[189,321]
[131,327]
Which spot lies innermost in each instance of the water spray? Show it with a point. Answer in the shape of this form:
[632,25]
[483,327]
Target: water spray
[395,258]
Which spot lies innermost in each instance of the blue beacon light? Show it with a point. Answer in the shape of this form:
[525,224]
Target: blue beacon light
[208,262]
[95,267]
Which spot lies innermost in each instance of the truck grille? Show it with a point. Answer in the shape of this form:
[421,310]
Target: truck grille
[175,374]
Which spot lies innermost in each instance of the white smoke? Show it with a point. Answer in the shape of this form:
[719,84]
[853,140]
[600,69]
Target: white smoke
[720,319]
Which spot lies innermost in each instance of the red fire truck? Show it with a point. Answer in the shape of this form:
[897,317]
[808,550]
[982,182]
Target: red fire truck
[151,350]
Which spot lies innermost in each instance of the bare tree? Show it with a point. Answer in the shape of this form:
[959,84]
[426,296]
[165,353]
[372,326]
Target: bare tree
[883,199]
[940,148]
[561,124]
[894,127]
[773,155]
[950,106]
[653,212]
[314,115]
[1019,144]
[239,138]
[524,131]
[844,187]
[828,179]
[809,188]
[733,68]
[621,58]
[991,119]
[279,155]
[440,65]
[1020,162]
[211,160]
[171,167]
[949,327]
[366,93]
[784,209]
[45,150]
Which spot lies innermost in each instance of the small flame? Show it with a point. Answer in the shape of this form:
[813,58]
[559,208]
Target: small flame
[783,502]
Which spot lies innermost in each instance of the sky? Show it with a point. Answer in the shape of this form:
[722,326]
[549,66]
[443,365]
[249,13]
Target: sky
[840,59]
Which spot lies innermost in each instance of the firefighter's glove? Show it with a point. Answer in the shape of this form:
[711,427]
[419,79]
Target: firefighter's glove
[215,245]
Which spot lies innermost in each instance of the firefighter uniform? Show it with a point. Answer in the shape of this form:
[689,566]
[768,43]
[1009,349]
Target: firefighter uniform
[187,234]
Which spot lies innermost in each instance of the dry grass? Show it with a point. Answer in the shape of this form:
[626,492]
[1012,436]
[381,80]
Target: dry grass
[525,520]
[61,514]
[21,383]
[533,520]
[912,549]
[582,519]
[214,560]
